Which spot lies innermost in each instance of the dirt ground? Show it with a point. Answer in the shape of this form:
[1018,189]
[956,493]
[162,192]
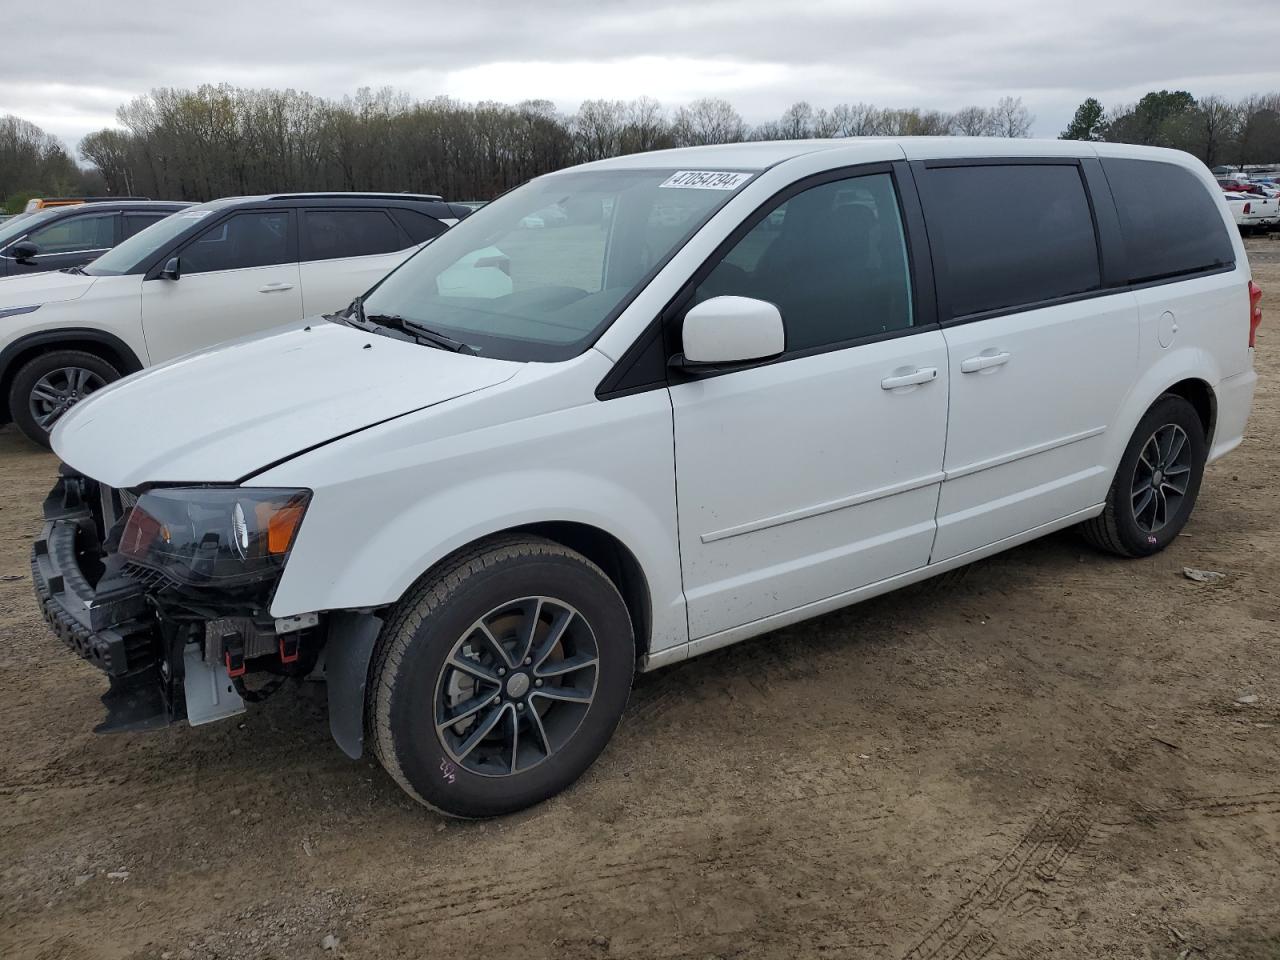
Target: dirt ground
[1062,755]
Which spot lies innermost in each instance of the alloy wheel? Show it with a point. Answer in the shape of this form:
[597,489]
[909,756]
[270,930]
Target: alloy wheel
[1161,478]
[516,686]
[58,391]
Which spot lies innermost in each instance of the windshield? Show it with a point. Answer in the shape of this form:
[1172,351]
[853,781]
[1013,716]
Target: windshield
[538,273]
[20,224]
[129,256]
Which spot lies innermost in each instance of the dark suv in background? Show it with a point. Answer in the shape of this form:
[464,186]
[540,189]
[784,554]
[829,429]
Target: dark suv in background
[58,237]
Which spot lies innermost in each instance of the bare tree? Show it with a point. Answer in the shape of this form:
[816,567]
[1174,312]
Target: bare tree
[1012,119]
[796,122]
[974,122]
[645,126]
[708,120]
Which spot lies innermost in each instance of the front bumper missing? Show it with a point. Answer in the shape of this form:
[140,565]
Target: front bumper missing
[162,671]
[109,624]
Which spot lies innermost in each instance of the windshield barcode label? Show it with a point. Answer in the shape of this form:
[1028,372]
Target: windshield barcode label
[705,180]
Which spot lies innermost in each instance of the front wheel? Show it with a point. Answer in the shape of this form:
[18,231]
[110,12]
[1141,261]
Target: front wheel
[498,680]
[1155,487]
[49,385]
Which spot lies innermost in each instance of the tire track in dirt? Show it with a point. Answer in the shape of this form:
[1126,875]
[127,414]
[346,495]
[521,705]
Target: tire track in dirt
[430,901]
[673,878]
[1040,853]
[1057,845]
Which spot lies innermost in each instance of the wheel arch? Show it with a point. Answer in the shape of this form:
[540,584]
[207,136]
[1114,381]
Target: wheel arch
[617,561]
[1200,395]
[1188,373]
[599,546]
[98,342]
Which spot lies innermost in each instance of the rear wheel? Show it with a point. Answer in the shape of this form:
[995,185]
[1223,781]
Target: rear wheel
[499,680]
[45,388]
[1155,487]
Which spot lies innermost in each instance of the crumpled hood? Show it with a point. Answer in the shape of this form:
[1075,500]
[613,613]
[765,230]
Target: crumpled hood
[34,289]
[221,415]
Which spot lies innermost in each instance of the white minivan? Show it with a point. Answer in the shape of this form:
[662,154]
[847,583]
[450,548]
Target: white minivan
[210,273]
[726,389]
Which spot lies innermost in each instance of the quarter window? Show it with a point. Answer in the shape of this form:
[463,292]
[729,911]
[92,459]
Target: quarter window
[242,240]
[76,234]
[833,259]
[1011,235]
[333,234]
[1170,222]
[419,225]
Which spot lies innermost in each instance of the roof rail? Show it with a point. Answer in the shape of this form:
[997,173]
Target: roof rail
[344,194]
[40,203]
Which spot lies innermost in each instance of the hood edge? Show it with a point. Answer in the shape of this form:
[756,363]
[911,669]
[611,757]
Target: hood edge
[368,426]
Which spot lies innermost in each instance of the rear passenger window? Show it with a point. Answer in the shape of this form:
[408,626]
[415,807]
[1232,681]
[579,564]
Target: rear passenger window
[1011,235]
[135,222]
[833,259]
[419,226]
[1170,222]
[332,234]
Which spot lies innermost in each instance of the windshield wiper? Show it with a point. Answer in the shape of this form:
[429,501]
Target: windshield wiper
[415,329]
[79,270]
[355,316]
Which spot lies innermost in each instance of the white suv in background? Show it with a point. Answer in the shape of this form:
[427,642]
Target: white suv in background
[727,389]
[210,273]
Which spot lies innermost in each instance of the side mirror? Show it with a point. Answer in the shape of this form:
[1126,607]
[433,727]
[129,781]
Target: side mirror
[725,331]
[24,251]
[172,269]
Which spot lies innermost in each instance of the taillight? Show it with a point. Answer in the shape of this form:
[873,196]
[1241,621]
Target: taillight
[1255,311]
[1246,210]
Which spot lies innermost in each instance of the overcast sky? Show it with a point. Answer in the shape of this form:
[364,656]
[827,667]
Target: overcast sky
[69,64]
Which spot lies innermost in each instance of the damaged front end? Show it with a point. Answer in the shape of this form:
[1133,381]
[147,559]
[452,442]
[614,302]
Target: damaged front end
[168,591]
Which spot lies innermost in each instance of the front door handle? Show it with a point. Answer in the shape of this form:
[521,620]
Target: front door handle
[919,375]
[275,287]
[984,361]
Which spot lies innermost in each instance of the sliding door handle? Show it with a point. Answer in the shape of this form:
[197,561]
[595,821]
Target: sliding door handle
[984,361]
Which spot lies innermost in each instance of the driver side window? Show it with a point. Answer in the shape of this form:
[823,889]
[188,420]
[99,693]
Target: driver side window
[251,239]
[832,259]
[76,234]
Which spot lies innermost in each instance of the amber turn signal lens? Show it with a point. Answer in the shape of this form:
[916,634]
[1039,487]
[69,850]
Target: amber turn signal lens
[281,523]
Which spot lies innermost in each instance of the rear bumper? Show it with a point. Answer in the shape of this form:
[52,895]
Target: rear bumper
[1235,399]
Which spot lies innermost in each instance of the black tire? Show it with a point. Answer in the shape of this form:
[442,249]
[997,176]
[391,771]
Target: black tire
[412,677]
[1120,528]
[98,373]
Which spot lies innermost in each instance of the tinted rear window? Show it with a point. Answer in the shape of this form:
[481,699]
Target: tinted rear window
[1011,235]
[333,234]
[1170,222]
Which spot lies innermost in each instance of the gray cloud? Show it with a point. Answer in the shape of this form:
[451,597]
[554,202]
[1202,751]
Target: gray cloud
[78,60]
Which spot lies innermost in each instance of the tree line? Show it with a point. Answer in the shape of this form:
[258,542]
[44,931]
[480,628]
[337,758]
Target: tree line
[196,144]
[34,162]
[1218,131]
[211,141]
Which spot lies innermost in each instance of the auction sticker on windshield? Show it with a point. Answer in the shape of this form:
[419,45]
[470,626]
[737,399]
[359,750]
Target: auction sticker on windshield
[705,180]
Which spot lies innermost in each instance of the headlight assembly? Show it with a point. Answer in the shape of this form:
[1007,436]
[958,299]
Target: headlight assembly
[216,536]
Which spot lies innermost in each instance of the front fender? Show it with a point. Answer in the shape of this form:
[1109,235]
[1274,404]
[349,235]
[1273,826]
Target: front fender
[394,509]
